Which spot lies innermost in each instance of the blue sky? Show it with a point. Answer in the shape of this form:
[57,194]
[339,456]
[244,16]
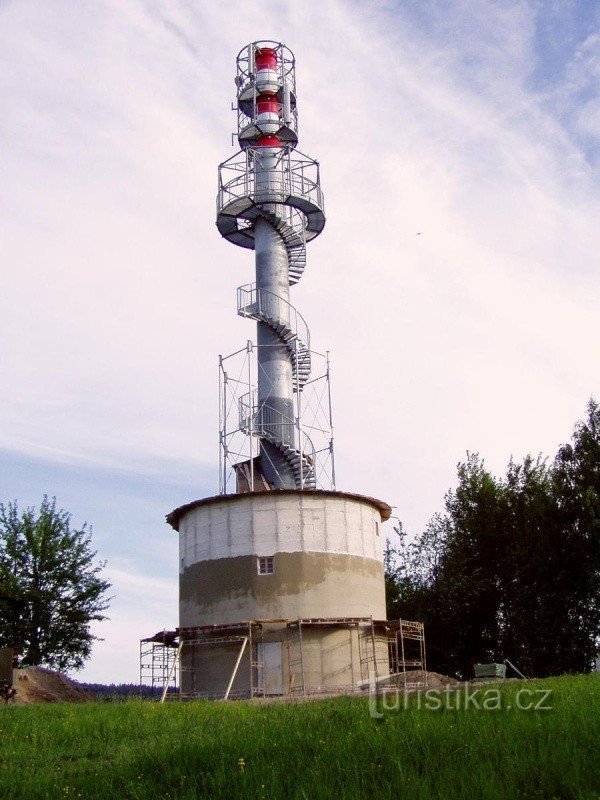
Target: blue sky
[475,123]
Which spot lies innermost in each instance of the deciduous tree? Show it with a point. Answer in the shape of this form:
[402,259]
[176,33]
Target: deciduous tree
[512,568]
[51,588]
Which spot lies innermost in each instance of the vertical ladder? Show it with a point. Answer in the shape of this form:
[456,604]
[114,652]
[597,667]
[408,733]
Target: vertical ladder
[298,661]
[367,651]
[257,665]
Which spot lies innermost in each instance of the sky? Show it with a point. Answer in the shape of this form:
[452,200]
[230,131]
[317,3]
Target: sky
[455,284]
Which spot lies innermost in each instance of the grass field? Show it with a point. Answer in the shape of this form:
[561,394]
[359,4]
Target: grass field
[324,749]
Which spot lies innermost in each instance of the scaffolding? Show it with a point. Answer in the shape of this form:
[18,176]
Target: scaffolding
[242,422]
[241,638]
[389,652]
[367,633]
[407,656]
[159,664]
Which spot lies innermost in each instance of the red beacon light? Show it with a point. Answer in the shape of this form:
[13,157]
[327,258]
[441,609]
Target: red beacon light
[268,114]
[268,141]
[266,58]
[267,77]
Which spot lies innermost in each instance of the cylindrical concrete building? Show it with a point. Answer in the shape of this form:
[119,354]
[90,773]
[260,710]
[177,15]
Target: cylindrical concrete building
[306,566]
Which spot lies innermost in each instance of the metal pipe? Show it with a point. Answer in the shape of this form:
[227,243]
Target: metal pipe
[330,421]
[519,673]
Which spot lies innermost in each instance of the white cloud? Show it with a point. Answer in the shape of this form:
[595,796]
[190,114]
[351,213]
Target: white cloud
[141,606]
[589,118]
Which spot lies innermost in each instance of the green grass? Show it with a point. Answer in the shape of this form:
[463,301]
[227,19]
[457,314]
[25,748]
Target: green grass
[326,749]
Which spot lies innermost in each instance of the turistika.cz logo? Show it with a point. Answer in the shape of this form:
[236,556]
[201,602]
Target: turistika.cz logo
[390,699]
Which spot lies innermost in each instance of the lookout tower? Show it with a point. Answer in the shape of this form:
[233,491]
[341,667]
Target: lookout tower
[281,575]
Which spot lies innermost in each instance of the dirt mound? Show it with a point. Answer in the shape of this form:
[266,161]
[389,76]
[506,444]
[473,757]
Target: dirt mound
[40,685]
[417,679]
[435,680]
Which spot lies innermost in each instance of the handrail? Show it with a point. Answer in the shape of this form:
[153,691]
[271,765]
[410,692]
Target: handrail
[254,302]
[271,423]
[278,189]
[291,178]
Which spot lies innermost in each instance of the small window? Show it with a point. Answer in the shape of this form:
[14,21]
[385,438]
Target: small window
[376,528]
[265,565]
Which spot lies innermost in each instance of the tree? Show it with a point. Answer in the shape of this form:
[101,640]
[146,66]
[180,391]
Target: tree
[450,577]
[512,568]
[576,475]
[470,568]
[50,587]
[535,565]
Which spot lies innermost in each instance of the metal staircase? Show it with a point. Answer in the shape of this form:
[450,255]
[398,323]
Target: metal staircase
[284,319]
[240,206]
[277,429]
[292,330]
[293,238]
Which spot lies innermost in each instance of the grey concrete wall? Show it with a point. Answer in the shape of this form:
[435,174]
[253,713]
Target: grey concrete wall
[331,656]
[308,585]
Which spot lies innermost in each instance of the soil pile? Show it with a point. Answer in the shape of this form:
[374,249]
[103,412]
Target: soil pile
[417,679]
[40,685]
[435,680]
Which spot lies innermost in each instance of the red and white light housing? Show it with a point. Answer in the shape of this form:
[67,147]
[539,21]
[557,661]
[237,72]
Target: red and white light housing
[266,96]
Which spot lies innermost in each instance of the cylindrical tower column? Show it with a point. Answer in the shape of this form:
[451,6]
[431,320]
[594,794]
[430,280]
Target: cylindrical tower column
[275,406]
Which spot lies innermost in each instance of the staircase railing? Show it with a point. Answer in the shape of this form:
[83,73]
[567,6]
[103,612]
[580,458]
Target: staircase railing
[262,304]
[292,178]
[280,430]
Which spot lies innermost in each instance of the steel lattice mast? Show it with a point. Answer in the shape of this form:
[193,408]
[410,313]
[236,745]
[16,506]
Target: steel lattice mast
[270,200]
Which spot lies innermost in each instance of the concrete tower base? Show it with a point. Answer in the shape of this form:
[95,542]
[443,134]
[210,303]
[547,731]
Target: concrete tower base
[279,657]
[286,585]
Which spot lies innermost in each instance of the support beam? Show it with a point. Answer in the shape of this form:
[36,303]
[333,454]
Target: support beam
[235,669]
[171,671]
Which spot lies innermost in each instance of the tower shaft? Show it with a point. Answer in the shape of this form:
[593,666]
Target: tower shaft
[275,378]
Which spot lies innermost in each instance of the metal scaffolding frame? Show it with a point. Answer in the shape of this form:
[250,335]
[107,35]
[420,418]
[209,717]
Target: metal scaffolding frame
[407,654]
[399,636]
[242,422]
[365,628]
[243,637]
[159,663]
[169,656]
